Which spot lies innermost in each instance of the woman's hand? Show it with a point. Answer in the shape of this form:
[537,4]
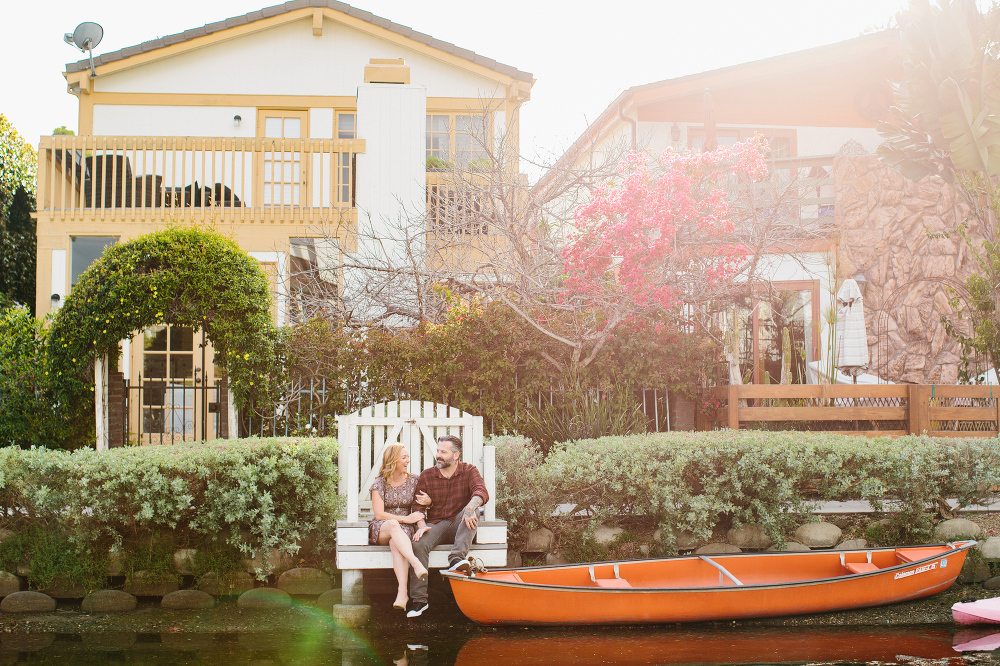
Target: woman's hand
[415,517]
[419,533]
[422,498]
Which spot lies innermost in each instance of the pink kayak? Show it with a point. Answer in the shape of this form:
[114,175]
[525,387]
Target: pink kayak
[984,611]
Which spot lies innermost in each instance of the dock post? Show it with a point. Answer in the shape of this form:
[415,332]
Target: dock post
[352,611]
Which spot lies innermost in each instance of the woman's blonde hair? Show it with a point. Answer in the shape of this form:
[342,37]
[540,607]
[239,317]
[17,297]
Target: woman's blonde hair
[392,454]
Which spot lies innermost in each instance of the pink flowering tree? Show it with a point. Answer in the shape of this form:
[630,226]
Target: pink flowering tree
[666,234]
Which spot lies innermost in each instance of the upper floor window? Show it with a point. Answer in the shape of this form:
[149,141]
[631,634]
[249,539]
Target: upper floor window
[456,139]
[780,141]
[346,125]
[85,250]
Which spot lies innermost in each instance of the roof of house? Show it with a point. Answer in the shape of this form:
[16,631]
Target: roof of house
[294,5]
[870,56]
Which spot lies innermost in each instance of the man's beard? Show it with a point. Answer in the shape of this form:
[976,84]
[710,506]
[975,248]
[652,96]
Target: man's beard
[441,464]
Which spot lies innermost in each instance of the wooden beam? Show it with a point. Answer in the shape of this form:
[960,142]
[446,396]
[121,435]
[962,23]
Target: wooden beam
[317,22]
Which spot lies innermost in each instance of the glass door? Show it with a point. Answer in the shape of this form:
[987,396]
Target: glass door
[283,172]
[174,386]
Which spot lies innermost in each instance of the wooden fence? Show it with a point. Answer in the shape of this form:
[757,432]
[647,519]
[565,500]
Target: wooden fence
[884,409]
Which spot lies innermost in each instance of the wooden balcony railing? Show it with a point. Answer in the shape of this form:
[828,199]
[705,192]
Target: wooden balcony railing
[128,178]
[883,409]
[798,190]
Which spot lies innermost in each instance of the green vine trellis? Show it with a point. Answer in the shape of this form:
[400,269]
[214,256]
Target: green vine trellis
[181,276]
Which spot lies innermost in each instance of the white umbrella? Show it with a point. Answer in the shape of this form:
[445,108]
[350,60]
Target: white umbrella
[852,338]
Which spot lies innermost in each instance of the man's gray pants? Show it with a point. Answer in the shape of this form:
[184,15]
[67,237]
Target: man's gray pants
[447,531]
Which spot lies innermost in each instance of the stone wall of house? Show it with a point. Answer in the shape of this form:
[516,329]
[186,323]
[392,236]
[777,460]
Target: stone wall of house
[885,221]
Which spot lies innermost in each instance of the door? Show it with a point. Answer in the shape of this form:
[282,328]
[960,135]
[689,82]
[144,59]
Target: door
[283,173]
[173,386]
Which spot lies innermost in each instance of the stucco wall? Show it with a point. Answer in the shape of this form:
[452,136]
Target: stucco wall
[885,223]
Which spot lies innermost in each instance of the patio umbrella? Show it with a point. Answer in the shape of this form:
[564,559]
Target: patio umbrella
[852,338]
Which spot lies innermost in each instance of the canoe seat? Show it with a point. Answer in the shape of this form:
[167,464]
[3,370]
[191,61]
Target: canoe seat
[914,554]
[612,582]
[860,567]
[617,581]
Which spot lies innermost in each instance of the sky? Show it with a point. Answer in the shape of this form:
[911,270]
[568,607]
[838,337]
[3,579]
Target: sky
[582,54]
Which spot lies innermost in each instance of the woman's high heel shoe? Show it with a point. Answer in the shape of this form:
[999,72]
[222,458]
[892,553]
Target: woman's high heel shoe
[421,573]
[400,602]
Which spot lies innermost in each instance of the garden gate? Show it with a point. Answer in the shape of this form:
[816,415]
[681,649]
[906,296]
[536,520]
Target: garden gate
[416,425]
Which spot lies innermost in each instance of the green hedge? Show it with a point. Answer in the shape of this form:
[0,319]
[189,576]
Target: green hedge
[249,496]
[687,481]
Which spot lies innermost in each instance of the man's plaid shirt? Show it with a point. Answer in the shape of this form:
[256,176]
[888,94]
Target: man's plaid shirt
[449,495]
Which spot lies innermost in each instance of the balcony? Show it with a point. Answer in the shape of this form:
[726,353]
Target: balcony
[237,180]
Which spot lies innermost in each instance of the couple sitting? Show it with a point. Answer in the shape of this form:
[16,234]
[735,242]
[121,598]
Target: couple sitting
[413,514]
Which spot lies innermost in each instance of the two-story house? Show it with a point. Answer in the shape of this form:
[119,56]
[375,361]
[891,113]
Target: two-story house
[818,109]
[296,130]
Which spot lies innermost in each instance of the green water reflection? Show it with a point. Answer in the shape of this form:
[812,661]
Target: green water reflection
[520,647]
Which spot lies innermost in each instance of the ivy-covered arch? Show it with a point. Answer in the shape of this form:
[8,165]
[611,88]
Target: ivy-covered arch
[178,276]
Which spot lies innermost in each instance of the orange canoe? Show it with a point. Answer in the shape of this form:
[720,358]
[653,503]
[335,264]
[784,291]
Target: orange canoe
[696,588]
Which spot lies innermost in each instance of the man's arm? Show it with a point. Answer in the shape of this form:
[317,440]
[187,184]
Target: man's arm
[421,488]
[477,488]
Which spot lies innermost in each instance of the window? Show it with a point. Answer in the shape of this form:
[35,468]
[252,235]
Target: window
[84,251]
[456,139]
[168,379]
[780,141]
[346,125]
[346,129]
[314,278]
[455,211]
[787,305]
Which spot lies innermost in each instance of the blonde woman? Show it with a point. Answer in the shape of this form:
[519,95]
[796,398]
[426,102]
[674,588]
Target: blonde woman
[392,522]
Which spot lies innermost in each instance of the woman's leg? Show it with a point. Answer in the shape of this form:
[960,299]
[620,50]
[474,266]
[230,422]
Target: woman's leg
[391,532]
[400,567]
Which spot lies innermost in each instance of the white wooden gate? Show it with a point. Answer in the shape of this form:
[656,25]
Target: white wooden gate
[416,425]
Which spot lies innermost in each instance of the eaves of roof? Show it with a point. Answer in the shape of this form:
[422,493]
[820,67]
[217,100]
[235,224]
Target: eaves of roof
[648,92]
[294,5]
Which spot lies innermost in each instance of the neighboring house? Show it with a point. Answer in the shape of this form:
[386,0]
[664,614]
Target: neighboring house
[818,109]
[297,130]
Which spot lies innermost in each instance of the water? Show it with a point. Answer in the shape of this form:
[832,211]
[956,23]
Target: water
[702,644]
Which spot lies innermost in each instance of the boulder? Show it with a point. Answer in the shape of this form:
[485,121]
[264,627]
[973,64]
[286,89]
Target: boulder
[145,585]
[9,583]
[974,571]
[27,602]
[305,581]
[790,547]
[108,601]
[644,549]
[818,535]
[749,536]
[686,540]
[184,561]
[556,558]
[717,548]
[187,600]
[236,582]
[115,560]
[275,560]
[604,535]
[264,598]
[329,599]
[513,559]
[956,528]
[351,616]
[63,589]
[853,544]
[992,583]
[990,548]
[541,540]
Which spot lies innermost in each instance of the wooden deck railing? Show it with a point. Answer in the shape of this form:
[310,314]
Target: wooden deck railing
[884,409]
[129,178]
